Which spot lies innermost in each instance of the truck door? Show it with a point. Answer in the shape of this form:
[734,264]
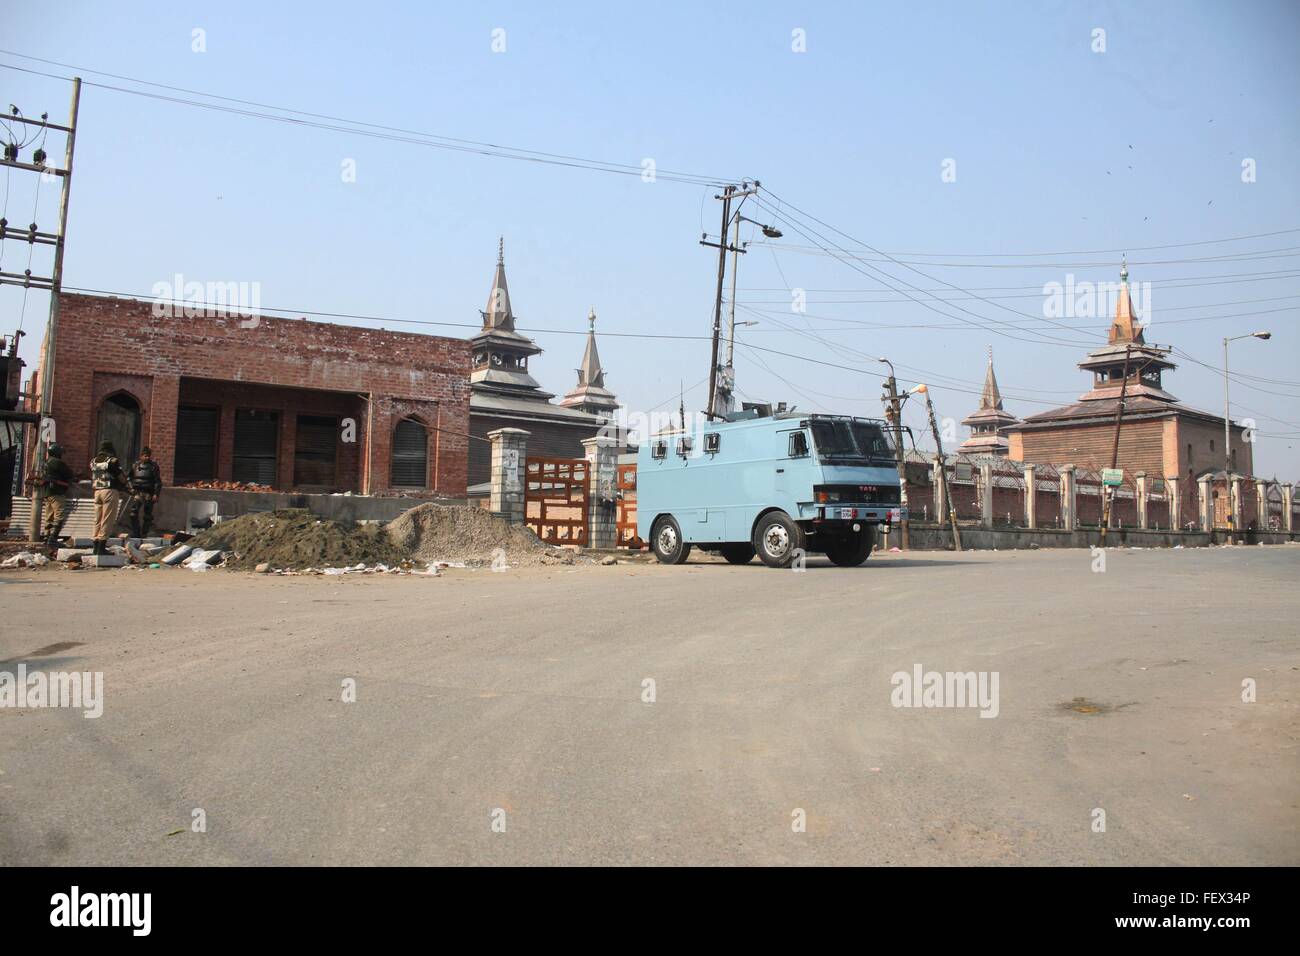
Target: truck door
[791,445]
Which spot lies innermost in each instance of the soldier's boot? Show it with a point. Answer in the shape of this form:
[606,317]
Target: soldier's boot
[101,547]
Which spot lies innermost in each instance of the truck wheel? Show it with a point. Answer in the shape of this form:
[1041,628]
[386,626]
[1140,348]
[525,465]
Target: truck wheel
[851,551]
[666,541]
[738,553]
[776,539]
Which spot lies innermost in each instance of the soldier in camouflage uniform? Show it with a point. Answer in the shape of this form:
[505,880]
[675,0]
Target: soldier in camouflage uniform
[146,482]
[108,480]
[55,480]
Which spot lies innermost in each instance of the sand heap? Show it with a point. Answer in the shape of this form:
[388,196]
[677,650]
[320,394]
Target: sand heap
[457,533]
[294,538]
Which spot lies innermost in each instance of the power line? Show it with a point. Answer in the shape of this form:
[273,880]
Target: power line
[376,130]
[1042,339]
[1185,282]
[1284,252]
[1092,252]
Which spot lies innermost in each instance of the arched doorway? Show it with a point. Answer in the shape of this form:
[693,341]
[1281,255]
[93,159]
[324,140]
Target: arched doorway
[119,422]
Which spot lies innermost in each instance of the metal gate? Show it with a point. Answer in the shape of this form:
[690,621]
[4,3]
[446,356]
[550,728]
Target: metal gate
[625,519]
[556,492]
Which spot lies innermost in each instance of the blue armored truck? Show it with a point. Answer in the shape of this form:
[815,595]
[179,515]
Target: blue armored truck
[778,486]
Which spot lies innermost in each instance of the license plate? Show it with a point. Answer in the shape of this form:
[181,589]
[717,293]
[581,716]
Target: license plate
[847,513]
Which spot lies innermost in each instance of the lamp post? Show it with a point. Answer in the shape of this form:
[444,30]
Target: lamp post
[1227,426]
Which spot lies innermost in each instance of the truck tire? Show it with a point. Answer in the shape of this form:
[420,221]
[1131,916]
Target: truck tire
[738,553]
[666,541]
[851,551]
[777,539]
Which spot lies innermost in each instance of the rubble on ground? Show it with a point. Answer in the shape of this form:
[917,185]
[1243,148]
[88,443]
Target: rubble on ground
[461,533]
[295,539]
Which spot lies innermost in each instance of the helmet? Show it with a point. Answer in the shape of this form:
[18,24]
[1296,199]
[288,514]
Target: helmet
[55,450]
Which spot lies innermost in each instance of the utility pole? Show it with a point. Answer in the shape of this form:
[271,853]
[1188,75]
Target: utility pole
[943,470]
[1114,447]
[895,416]
[727,193]
[54,282]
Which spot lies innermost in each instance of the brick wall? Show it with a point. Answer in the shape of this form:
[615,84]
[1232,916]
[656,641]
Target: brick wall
[107,345]
[1141,446]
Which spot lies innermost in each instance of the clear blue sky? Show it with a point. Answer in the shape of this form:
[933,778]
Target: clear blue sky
[1057,149]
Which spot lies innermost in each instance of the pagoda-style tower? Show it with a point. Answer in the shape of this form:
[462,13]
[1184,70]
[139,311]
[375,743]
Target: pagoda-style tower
[504,395]
[590,394]
[986,422]
[1145,362]
[500,362]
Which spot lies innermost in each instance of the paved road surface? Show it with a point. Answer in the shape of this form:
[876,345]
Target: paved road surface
[522,692]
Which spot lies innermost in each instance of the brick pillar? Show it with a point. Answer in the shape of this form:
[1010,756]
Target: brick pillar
[1206,485]
[1174,496]
[940,505]
[1288,502]
[166,393]
[986,501]
[509,463]
[602,530]
[1142,492]
[1069,499]
[1031,498]
[1235,501]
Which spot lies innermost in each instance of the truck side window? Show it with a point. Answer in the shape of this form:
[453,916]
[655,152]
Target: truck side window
[712,441]
[683,447]
[798,445]
[660,449]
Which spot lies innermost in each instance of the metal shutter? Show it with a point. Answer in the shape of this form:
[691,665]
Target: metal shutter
[196,444]
[257,436]
[314,451]
[410,456]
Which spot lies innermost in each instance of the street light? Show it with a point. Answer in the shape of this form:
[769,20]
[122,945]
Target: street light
[1227,425]
[770,231]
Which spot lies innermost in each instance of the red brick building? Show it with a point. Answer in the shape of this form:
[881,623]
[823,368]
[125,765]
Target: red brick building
[297,405]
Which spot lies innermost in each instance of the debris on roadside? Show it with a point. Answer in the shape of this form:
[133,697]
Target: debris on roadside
[25,559]
[295,539]
[459,533]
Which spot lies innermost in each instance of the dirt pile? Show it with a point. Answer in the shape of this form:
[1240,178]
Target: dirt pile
[296,538]
[456,533]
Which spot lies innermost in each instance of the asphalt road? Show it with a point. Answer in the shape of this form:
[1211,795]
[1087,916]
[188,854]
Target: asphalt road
[517,697]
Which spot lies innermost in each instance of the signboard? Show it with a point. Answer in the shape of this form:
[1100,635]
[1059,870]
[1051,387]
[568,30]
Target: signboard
[1112,477]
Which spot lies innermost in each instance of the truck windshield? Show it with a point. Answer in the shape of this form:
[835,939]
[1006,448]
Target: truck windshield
[846,442]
